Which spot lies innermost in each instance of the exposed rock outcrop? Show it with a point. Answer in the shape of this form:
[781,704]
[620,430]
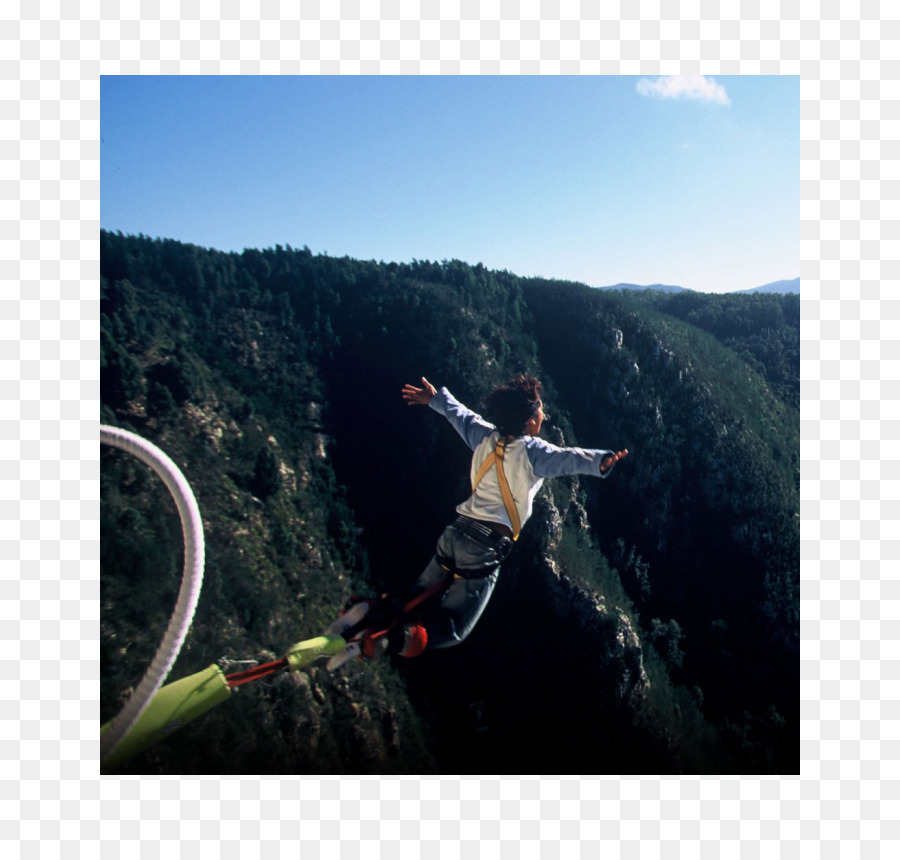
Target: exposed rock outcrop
[608,642]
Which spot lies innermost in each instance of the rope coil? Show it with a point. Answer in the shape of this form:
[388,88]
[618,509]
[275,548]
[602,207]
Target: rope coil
[192,580]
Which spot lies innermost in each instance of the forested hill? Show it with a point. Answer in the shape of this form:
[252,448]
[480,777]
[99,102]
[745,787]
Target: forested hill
[645,623]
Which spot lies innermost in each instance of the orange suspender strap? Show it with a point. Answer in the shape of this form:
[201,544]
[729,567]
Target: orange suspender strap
[496,458]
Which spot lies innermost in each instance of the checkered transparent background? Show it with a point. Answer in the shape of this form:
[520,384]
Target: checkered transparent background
[844,803]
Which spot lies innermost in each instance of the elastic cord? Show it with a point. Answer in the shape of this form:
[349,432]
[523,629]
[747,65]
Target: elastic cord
[192,580]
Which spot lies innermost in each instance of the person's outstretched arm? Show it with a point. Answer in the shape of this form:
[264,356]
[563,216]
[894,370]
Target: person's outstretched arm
[551,461]
[470,426]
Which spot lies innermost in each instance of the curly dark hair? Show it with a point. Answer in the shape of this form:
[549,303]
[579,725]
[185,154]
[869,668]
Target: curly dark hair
[512,405]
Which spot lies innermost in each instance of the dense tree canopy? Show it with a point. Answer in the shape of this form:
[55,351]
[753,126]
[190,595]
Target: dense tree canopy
[273,376]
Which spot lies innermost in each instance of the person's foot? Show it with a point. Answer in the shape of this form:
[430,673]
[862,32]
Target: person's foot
[350,618]
[349,653]
[365,647]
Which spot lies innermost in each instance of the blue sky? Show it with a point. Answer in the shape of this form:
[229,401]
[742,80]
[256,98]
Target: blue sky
[693,182]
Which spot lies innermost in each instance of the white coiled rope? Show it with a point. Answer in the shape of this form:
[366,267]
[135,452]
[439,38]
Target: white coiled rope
[192,579]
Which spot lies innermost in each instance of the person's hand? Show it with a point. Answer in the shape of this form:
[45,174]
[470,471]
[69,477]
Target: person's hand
[419,396]
[611,459]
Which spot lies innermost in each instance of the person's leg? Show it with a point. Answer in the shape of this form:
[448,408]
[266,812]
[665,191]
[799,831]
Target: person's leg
[448,618]
[465,599]
[459,611]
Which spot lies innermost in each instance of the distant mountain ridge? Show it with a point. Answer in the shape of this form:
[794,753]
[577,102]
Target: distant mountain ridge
[791,286]
[663,288]
[787,286]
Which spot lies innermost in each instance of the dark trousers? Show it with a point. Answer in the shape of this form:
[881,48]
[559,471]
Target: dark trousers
[475,559]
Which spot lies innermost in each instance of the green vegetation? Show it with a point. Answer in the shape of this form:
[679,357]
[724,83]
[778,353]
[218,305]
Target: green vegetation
[273,376]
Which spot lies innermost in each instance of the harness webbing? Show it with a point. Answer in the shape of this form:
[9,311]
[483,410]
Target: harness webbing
[409,606]
[495,458]
[236,679]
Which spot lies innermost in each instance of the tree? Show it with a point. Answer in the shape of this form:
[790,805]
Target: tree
[666,638]
[266,474]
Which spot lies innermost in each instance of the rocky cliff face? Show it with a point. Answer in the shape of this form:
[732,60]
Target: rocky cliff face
[609,647]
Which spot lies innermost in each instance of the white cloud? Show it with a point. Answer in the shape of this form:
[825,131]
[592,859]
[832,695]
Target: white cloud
[695,87]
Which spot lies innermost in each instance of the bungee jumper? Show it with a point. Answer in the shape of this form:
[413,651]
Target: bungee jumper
[509,465]
[443,605]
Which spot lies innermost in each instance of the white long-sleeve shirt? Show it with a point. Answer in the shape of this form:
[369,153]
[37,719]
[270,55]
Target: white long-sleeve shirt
[527,461]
